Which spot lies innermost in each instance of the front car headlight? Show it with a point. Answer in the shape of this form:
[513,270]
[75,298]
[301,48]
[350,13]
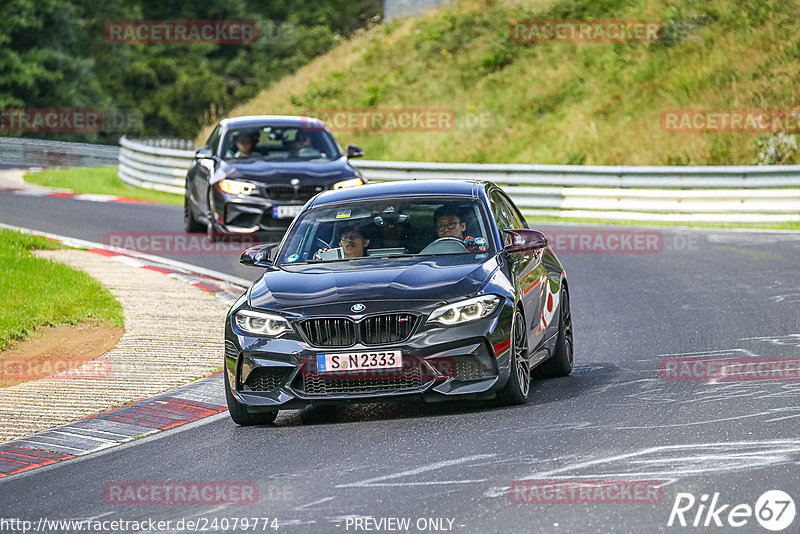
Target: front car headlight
[236,187]
[261,324]
[348,183]
[465,311]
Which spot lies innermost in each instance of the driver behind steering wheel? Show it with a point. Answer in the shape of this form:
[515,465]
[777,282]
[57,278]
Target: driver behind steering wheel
[449,223]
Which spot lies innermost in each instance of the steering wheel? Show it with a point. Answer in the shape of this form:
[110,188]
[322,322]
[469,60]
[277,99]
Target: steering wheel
[445,245]
[318,240]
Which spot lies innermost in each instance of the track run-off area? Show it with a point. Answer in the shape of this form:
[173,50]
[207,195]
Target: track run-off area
[636,414]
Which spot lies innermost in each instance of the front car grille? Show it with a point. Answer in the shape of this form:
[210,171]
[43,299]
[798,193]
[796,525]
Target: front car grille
[266,378]
[372,330]
[409,378]
[389,328]
[289,192]
[329,332]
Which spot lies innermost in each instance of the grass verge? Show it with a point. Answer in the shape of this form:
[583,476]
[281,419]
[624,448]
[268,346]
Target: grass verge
[97,180]
[37,292]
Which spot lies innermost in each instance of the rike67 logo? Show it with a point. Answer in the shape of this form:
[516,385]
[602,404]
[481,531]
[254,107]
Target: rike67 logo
[774,510]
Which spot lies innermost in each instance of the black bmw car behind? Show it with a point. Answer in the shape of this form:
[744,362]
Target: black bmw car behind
[255,173]
[430,289]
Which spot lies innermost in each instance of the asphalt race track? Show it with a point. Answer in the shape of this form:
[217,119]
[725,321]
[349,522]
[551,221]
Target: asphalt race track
[448,467]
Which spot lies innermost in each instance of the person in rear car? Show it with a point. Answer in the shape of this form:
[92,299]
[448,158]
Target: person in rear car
[353,243]
[245,145]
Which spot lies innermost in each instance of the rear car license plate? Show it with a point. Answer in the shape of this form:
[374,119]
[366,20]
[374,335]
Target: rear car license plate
[285,212]
[354,361]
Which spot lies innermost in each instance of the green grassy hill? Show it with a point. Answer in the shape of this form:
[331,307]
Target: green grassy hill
[578,103]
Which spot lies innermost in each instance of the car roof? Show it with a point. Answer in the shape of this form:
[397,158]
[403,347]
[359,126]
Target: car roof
[252,121]
[411,188]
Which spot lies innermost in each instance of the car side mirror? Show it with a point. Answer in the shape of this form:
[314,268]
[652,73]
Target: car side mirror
[354,151]
[203,153]
[258,256]
[525,240]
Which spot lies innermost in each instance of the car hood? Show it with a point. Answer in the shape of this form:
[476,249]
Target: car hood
[430,279]
[268,171]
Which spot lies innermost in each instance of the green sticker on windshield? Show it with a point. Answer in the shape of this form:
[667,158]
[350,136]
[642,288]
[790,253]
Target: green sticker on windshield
[293,257]
[343,214]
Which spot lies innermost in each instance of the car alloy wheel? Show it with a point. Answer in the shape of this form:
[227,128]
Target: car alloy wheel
[561,362]
[520,347]
[519,382]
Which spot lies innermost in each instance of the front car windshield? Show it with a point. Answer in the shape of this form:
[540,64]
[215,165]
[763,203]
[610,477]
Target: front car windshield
[389,229]
[280,143]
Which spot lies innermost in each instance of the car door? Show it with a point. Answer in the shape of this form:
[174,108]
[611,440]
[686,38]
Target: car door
[203,169]
[527,273]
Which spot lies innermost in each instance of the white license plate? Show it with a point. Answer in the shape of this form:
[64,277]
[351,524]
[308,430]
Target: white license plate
[353,361]
[285,212]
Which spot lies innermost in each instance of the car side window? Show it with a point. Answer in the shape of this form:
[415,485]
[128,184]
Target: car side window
[213,140]
[516,217]
[502,214]
[505,213]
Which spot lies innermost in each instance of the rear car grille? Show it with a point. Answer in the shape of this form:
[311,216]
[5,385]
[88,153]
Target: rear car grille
[329,332]
[373,330]
[266,378]
[409,378]
[288,192]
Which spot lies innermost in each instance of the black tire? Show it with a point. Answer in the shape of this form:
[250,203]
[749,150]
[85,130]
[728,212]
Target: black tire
[190,224]
[561,362]
[211,228]
[239,413]
[518,387]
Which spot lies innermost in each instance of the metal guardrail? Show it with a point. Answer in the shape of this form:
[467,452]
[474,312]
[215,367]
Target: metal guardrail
[42,153]
[159,164]
[669,194]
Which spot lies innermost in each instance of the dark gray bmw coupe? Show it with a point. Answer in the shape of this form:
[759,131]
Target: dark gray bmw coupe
[431,289]
[255,173]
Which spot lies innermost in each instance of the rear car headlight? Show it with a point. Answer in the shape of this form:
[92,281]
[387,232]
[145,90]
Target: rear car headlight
[262,324]
[465,311]
[235,187]
[348,183]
